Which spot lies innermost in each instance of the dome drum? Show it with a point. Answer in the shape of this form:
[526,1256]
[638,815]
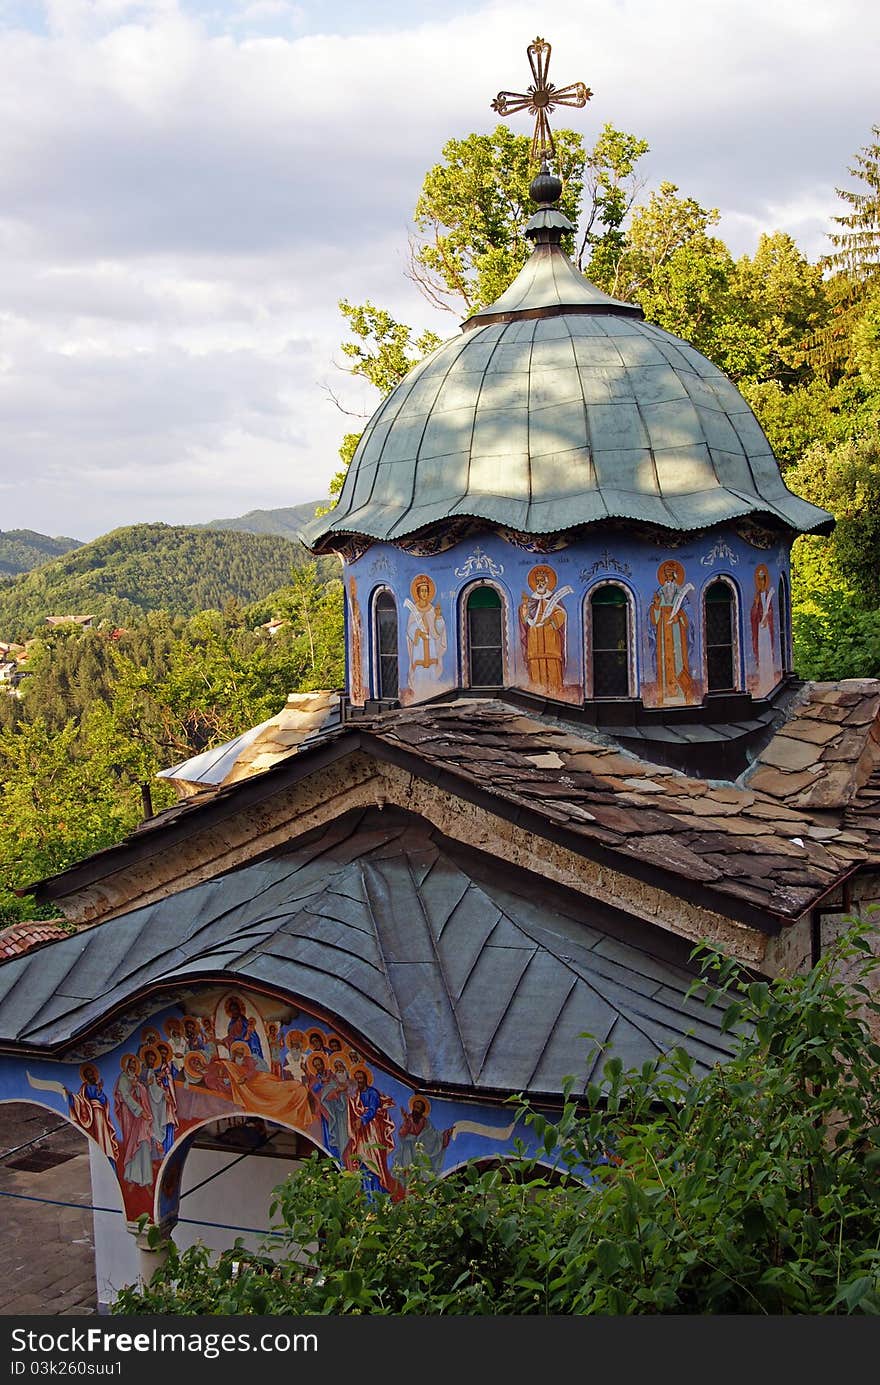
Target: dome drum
[614,617]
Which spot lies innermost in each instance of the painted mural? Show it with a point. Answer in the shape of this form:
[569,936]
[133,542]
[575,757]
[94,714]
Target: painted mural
[671,632]
[356,682]
[765,648]
[425,639]
[224,1054]
[542,624]
[545,628]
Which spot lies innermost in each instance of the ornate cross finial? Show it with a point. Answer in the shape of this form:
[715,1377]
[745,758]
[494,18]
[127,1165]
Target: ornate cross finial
[541,99]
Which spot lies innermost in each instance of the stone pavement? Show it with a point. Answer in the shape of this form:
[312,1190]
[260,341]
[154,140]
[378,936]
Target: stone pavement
[47,1252]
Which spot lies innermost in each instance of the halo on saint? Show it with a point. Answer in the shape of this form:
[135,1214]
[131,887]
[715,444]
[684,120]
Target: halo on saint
[677,568]
[422,580]
[542,570]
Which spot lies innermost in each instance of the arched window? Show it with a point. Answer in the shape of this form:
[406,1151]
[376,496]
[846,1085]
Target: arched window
[610,641]
[720,611]
[485,638]
[385,617]
[782,616]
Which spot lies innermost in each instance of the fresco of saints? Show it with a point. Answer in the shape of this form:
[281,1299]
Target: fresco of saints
[425,637]
[356,637]
[542,622]
[242,1028]
[371,1136]
[763,627]
[90,1109]
[135,1117]
[671,634]
[419,1139]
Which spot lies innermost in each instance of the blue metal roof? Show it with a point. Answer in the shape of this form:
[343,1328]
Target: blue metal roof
[461,973]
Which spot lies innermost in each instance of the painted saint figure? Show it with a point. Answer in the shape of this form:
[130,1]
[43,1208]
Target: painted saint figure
[763,632]
[371,1136]
[242,1028]
[542,621]
[670,629]
[356,644]
[135,1117]
[425,636]
[419,1139]
[90,1109]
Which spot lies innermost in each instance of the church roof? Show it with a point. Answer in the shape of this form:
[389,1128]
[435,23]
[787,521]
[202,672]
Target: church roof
[761,850]
[559,407]
[462,973]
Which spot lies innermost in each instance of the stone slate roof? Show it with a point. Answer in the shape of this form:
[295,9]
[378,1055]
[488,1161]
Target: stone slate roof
[463,974]
[560,415]
[758,842]
[753,849]
[304,717]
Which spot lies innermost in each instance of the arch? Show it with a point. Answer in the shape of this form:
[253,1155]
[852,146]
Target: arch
[721,640]
[385,644]
[784,619]
[609,643]
[483,635]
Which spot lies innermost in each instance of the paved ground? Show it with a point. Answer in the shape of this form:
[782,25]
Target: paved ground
[46,1252]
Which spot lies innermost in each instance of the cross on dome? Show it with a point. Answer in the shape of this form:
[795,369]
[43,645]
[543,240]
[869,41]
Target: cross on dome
[540,99]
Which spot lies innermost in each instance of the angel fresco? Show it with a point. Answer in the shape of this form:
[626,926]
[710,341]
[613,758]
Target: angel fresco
[671,633]
[542,621]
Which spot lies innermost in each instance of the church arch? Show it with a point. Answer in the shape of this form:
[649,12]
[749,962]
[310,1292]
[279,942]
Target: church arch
[609,643]
[483,627]
[385,645]
[721,637]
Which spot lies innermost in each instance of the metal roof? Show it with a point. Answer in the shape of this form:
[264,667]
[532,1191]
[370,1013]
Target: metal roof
[461,972]
[568,412]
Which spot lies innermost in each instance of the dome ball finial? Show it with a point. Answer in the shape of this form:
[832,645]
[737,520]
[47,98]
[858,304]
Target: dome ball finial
[545,187]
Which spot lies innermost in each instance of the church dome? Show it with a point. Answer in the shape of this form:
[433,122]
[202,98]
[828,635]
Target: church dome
[557,407]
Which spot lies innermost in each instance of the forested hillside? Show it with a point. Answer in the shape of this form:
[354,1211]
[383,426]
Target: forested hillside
[148,567]
[101,711]
[287,521]
[23,549]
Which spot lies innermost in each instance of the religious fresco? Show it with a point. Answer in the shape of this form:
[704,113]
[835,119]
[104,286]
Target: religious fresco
[425,638]
[765,647]
[224,1053]
[356,682]
[671,631]
[546,608]
[542,624]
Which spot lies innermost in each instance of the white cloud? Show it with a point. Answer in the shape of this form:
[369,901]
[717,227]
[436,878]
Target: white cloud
[184,205]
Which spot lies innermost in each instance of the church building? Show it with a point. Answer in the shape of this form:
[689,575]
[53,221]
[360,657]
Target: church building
[571,746]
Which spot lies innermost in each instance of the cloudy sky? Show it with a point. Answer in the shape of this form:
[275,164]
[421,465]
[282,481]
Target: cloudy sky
[187,187]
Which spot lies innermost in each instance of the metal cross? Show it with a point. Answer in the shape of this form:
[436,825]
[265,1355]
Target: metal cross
[540,99]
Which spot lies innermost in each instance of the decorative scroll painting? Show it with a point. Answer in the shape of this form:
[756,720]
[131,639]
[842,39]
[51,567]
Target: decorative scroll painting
[228,1053]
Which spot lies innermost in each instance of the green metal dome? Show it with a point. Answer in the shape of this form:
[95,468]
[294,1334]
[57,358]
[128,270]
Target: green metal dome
[558,407]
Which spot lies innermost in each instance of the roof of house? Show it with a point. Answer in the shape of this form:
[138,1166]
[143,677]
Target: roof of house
[460,972]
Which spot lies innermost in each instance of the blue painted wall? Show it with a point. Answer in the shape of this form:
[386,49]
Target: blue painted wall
[668,645]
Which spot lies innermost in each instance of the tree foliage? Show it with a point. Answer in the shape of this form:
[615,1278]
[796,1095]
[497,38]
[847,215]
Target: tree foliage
[149,567]
[750,1189]
[104,709]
